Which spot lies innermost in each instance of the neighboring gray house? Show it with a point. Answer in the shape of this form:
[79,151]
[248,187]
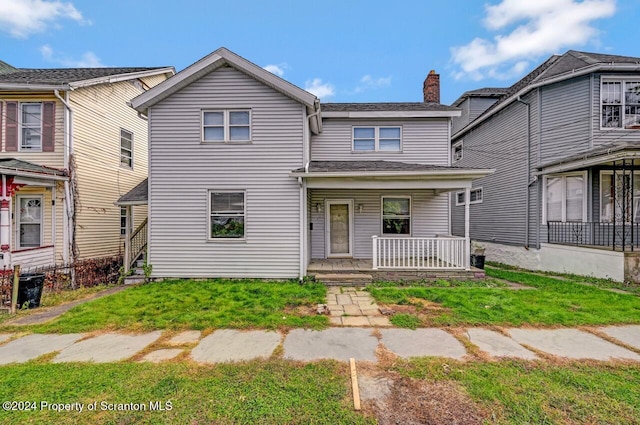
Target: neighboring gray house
[251,176]
[564,140]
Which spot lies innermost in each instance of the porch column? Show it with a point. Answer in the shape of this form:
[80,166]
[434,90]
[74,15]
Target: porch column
[467,240]
[127,240]
[5,218]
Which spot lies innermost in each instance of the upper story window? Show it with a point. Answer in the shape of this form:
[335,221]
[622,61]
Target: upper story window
[126,148]
[31,126]
[620,101]
[456,151]
[371,139]
[226,126]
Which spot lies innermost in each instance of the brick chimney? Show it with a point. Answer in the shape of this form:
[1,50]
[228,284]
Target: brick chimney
[431,88]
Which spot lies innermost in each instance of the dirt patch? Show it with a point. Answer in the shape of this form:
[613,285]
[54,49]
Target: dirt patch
[398,400]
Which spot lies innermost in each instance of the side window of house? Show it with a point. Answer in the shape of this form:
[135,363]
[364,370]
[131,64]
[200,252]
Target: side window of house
[374,139]
[29,126]
[123,221]
[126,148]
[456,152]
[475,196]
[620,104]
[227,213]
[226,126]
[29,222]
[565,198]
[396,215]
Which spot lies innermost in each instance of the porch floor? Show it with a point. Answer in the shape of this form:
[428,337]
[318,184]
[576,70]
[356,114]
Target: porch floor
[340,265]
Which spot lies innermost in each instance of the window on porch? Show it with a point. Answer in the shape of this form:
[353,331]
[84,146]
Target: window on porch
[396,215]
[30,222]
[619,195]
[565,197]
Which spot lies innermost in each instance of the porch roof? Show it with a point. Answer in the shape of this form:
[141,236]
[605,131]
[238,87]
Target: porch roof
[24,169]
[596,156]
[139,195]
[387,174]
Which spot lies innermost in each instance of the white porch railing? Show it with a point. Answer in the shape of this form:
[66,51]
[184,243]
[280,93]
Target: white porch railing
[419,253]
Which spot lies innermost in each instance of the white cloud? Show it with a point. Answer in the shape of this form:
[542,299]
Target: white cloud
[21,18]
[87,60]
[320,89]
[277,69]
[542,27]
[371,82]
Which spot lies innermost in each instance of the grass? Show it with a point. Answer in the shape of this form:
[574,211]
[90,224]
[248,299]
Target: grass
[260,392]
[446,283]
[541,393]
[197,304]
[404,320]
[553,302]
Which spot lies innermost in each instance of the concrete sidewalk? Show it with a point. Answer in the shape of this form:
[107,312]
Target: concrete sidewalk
[339,343]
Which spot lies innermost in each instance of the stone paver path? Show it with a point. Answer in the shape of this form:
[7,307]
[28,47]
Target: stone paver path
[186,337]
[230,345]
[105,348]
[4,337]
[422,342]
[334,343]
[31,346]
[629,335]
[498,345]
[350,306]
[162,355]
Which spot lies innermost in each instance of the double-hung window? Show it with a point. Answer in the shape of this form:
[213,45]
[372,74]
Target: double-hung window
[31,126]
[475,196]
[29,221]
[126,148]
[456,151]
[228,125]
[123,221]
[565,197]
[396,215]
[619,197]
[226,212]
[620,101]
[371,139]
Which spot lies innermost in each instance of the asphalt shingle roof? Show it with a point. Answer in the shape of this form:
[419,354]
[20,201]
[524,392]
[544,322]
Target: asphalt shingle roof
[140,193]
[371,166]
[63,75]
[19,165]
[385,106]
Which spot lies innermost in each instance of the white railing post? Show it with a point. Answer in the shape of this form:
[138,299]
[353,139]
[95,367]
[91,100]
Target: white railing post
[374,239]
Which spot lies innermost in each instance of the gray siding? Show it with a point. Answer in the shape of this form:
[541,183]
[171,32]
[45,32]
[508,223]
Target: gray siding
[478,105]
[423,141]
[429,216]
[183,170]
[458,123]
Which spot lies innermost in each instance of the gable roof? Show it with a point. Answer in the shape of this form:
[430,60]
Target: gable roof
[556,68]
[18,167]
[5,68]
[210,63]
[70,78]
[388,109]
[490,92]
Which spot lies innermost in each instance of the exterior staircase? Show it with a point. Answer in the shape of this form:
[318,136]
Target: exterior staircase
[138,272]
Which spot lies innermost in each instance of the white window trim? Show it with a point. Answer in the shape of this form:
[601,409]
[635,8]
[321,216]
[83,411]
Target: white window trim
[209,212]
[226,125]
[382,198]
[18,222]
[376,136]
[453,151]
[327,227]
[123,165]
[477,201]
[20,124]
[616,79]
[131,222]
[583,174]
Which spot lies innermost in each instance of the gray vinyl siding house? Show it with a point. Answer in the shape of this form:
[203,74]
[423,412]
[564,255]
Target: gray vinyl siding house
[251,176]
[552,138]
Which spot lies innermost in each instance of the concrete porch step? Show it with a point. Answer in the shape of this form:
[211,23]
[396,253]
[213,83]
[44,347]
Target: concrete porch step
[344,279]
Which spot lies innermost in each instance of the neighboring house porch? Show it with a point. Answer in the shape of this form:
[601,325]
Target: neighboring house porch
[32,230]
[591,203]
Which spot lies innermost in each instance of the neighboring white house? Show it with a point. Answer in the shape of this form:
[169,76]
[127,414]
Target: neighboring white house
[70,146]
[251,176]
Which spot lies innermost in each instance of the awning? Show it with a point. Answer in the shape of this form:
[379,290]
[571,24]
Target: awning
[29,173]
[139,195]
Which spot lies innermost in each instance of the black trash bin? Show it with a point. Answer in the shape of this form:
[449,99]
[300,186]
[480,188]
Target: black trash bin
[30,290]
[477,261]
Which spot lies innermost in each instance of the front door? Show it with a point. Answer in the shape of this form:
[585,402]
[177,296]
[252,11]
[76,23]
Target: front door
[339,228]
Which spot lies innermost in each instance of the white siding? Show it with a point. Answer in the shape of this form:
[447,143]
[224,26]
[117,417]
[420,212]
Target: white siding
[183,170]
[423,141]
[429,216]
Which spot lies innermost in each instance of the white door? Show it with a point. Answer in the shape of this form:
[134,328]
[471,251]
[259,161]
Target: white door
[339,228]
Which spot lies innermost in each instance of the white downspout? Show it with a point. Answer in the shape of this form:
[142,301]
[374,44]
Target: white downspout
[467,239]
[5,224]
[68,196]
[526,202]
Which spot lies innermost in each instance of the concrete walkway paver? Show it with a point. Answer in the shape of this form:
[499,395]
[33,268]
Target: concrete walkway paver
[186,337]
[162,355]
[333,343]
[498,345]
[629,335]
[105,348]
[571,343]
[422,342]
[31,346]
[4,337]
[229,345]
[351,306]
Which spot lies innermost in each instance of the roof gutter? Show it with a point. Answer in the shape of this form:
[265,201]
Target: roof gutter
[122,77]
[571,74]
[364,174]
[33,175]
[34,87]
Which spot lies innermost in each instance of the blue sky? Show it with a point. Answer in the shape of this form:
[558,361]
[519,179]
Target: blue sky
[343,51]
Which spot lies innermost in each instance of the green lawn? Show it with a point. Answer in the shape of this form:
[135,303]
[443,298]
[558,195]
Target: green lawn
[552,302]
[261,392]
[198,304]
[519,393]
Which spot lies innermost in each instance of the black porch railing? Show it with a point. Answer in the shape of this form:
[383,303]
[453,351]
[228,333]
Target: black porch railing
[622,236]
